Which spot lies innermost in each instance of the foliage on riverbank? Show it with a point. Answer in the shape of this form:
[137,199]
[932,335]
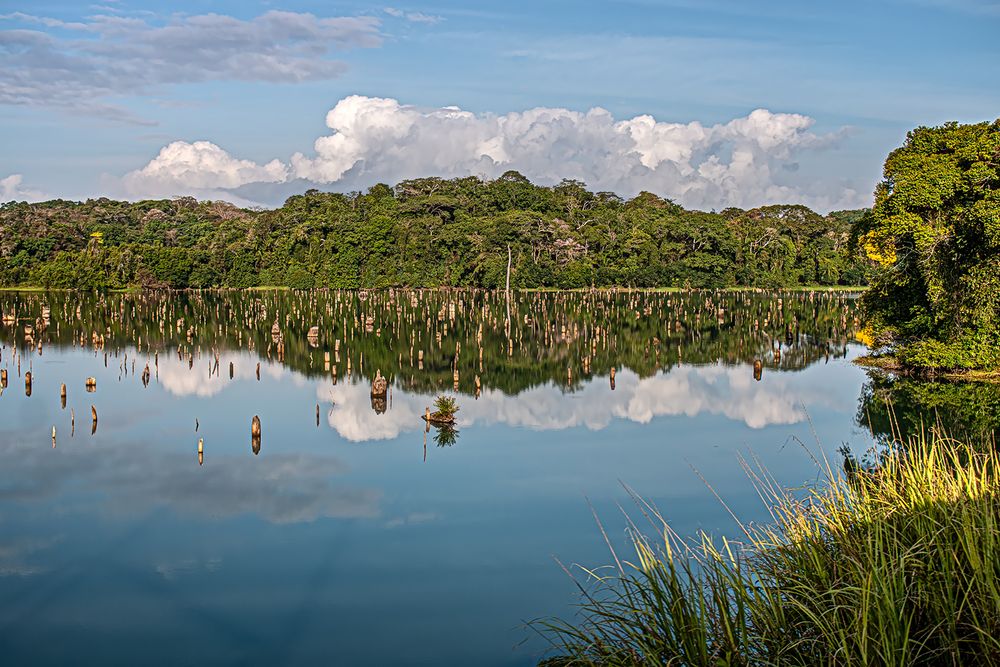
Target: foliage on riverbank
[892,364]
[426,232]
[894,565]
[935,231]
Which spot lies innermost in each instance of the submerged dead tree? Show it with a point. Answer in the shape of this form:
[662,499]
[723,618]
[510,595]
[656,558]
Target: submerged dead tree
[255,435]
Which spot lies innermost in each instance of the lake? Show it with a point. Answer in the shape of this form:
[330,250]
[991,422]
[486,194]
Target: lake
[350,532]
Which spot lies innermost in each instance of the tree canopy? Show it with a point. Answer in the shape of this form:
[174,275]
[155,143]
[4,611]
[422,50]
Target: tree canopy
[935,232]
[425,232]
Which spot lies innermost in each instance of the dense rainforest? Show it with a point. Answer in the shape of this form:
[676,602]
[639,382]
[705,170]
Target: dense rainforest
[426,232]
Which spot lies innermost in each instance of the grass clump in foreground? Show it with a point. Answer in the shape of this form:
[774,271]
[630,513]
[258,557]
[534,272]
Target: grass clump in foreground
[894,565]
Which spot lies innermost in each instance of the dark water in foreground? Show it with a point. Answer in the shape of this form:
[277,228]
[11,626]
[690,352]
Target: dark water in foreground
[357,537]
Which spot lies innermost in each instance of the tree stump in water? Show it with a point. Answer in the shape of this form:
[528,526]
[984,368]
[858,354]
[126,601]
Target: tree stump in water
[255,435]
[380,385]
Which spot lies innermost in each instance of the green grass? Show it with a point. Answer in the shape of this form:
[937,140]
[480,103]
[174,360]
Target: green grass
[894,565]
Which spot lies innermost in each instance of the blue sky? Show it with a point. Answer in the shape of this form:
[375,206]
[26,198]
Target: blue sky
[216,98]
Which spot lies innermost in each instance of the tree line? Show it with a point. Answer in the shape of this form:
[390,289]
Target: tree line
[427,232]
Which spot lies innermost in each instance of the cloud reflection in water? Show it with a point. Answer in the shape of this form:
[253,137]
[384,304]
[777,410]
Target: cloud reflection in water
[729,391]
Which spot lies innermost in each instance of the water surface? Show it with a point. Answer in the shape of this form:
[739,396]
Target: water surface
[358,536]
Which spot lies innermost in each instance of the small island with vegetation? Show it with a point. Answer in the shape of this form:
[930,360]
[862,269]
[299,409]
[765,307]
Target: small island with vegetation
[445,408]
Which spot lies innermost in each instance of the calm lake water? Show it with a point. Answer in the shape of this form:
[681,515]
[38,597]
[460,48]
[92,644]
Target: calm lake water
[353,535]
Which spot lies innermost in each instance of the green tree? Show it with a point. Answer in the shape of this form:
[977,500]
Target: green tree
[935,230]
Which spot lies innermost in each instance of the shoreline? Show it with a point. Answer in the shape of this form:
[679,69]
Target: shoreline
[618,288]
[889,364]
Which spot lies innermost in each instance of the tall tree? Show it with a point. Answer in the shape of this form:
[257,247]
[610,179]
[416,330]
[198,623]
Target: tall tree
[935,230]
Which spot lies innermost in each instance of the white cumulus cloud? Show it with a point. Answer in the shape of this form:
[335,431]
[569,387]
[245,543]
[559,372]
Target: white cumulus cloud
[198,168]
[748,161]
[738,163]
[11,189]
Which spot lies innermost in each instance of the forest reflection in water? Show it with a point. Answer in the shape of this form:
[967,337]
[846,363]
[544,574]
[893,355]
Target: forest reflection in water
[573,394]
[679,352]
[459,340]
[462,341]
[896,408]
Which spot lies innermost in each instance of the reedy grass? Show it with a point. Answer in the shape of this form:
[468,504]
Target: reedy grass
[898,564]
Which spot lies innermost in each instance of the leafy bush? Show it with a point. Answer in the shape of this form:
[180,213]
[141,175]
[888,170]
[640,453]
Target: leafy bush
[445,406]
